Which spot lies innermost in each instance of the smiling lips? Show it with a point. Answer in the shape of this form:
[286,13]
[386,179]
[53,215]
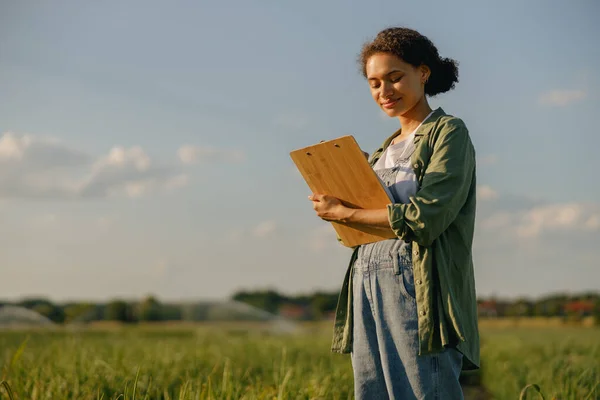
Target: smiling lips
[390,103]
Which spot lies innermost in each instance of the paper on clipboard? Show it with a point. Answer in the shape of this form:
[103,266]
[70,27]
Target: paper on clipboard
[339,168]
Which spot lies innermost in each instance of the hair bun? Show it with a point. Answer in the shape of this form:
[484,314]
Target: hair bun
[444,75]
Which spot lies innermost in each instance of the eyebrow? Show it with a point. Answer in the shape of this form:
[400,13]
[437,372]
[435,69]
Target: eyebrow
[388,74]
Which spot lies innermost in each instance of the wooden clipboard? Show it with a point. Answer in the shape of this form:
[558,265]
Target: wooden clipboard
[339,168]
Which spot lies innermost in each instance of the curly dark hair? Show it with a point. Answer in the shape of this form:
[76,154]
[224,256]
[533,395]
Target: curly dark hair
[415,49]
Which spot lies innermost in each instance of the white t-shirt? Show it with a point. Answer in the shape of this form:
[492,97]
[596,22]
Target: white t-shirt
[395,170]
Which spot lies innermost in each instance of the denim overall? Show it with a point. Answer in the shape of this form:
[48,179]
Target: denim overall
[385,346]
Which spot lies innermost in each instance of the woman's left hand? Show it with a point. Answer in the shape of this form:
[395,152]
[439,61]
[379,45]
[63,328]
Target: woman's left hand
[328,207]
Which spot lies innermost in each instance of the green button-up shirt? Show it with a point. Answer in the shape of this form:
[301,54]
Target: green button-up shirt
[439,221]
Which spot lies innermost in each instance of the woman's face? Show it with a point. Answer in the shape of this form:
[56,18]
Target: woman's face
[395,85]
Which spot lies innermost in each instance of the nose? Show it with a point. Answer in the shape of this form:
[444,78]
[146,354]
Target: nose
[387,90]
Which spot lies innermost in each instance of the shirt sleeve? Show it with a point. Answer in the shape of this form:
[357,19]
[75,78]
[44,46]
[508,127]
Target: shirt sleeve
[444,189]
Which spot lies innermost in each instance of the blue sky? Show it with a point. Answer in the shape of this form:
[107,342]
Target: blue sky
[145,145]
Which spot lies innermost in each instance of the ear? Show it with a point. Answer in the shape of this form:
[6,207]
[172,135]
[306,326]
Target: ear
[425,72]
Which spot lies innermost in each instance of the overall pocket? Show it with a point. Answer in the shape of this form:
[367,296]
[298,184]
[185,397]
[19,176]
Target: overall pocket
[403,269]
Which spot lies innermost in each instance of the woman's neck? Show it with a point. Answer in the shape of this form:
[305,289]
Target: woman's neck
[413,117]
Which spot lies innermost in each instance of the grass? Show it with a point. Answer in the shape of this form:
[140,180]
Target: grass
[564,362]
[243,362]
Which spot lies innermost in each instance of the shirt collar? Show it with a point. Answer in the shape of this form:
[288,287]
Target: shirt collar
[430,122]
[425,127]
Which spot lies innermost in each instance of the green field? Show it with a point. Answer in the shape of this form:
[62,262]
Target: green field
[234,362]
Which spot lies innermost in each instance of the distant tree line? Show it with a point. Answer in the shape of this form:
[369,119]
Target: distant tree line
[148,309]
[314,306]
[555,305]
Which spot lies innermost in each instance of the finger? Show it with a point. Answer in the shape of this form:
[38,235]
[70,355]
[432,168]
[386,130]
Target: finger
[326,198]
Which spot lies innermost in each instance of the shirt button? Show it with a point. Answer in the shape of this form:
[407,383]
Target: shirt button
[422,313]
[416,165]
[416,252]
[419,282]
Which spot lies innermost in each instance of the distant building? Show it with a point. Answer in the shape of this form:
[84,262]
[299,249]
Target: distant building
[487,308]
[581,308]
[295,311]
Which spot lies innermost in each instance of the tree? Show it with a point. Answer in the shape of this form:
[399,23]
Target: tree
[323,303]
[596,312]
[52,312]
[81,311]
[32,302]
[171,312]
[149,310]
[268,300]
[520,308]
[118,310]
[548,307]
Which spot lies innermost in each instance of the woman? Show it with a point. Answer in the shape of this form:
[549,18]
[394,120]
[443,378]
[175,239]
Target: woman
[408,311]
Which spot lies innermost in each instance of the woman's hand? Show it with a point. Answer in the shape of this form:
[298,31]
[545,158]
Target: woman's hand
[329,208]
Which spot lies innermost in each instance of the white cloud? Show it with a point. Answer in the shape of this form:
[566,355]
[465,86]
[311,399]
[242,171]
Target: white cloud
[189,154]
[549,246]
[593,223]
[39,153]
[561,98]
[323,237]
[120,157]
[264,229]
[12,147]
[37,167]
[561,218]
[135,189]
[497,220]
[261,230]
[127,172]
[177,181]
[486,193]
